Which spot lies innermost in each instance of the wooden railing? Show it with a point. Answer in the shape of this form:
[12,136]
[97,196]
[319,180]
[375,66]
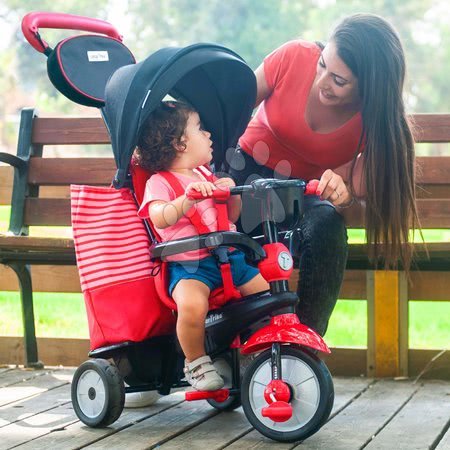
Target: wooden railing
[387,293]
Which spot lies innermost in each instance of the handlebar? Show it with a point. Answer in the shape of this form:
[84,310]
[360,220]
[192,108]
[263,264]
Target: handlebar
[223,194]
[218,194]
[35,20]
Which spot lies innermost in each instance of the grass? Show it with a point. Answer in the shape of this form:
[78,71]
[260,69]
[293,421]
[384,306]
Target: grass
[63,315]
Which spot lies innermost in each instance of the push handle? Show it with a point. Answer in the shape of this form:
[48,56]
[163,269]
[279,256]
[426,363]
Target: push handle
[222,193]
[35,20]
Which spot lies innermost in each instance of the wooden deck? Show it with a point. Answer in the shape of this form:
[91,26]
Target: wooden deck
[36,413]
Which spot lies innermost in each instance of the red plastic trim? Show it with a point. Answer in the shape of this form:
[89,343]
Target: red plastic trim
[311,187]
[220,395]
[270,267]
[35,20]
[219,194]
[285,329]
[278,411]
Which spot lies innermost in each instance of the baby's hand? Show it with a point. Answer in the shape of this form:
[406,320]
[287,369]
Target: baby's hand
[205,187]
[224,183]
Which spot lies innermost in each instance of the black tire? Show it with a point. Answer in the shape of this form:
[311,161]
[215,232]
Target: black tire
[312,374]
[223,365]
[98,393]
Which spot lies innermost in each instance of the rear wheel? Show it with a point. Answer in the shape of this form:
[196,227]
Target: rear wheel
[223,364]
[98,393]
[311,394]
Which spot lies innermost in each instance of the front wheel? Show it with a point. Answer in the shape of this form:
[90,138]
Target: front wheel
[311,394]
[98,393]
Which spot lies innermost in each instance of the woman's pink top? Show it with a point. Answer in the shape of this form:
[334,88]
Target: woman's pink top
[157,188]
[278,136]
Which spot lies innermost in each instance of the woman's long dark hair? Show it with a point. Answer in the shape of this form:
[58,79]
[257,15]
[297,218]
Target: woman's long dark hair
[372,50]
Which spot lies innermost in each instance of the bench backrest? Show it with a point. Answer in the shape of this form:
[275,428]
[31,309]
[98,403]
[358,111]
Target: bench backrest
[42,195]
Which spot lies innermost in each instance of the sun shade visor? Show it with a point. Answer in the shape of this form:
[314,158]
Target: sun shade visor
[213,79]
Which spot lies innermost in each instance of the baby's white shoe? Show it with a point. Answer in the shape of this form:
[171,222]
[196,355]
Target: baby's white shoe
[202,375]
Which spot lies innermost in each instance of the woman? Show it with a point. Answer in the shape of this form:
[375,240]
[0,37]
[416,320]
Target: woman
[335,113]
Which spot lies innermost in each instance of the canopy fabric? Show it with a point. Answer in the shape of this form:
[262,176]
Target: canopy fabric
[213,79]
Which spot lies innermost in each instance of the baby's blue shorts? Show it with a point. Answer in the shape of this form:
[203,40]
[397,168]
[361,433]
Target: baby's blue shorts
[207,271]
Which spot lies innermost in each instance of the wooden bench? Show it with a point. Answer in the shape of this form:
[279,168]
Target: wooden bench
[40,197]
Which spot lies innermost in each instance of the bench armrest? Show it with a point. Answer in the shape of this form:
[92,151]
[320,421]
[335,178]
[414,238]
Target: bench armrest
[253,251]
[13,160]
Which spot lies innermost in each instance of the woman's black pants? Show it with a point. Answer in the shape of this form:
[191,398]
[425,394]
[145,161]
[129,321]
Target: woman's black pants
[321,252]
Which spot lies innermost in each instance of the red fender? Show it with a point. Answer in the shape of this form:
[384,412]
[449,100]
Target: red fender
[284,329]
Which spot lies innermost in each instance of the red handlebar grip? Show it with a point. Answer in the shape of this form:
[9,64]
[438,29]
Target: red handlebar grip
[218,194]
[35,20]
[311,187]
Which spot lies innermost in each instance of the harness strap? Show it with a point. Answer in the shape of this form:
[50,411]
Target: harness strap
[193,215]
[229,290]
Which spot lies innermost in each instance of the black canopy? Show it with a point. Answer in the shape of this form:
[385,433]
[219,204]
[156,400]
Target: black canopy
[213,79]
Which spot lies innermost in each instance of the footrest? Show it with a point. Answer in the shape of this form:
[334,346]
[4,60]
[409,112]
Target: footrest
[219,396]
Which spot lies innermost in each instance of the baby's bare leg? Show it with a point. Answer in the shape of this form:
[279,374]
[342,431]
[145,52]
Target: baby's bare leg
[255,285]
[191,297]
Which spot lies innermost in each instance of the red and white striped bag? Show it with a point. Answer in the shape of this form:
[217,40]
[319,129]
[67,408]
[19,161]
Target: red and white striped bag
[113,259]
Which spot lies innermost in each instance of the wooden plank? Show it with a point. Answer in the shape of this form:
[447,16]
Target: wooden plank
[433,213]
[433,402]
[34,243]
[158,429]
[50,278]
[6,180]
[444,443]
[431,127]
[370,361]
[432,177]
[45,278]
[362,418]
[13,377]
[63,131]
[33,386]
[353,287]
[423,286]
[403,324]
[420,362]
[52,351]
[433,170]
[35,426]
[47,211]
[77,435]
[64,171]
[35,404]
[429,286]
[72,352]
[386,323]
[55,130]
[206,436]
[433,191]
[346,390]
[346,361]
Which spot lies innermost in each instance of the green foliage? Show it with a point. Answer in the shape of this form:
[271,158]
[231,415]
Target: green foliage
[64,315]
[252,29]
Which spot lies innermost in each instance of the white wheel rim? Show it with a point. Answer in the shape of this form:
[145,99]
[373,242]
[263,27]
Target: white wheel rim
[306,393]
[91,394]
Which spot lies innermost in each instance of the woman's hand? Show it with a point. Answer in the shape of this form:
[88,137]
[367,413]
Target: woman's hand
[205,187]
[333,188]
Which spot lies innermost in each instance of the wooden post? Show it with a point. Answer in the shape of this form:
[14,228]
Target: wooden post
[387,300]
